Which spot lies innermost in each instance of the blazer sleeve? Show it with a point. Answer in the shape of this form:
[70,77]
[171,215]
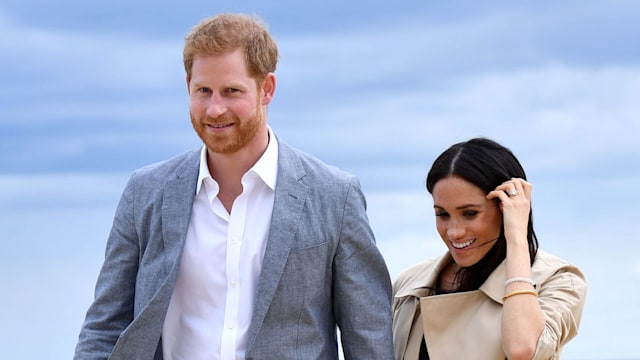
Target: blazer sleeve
[362,287]
[112,309]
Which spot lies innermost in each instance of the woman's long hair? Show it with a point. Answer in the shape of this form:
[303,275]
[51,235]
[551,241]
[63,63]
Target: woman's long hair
[486,164]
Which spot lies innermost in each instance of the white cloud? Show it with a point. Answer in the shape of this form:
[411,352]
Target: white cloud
[66,190]
[93,58]
[73,75]
[636,269]
[554,117]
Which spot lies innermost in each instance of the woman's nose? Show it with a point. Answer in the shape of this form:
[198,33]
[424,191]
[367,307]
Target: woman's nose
[455,231]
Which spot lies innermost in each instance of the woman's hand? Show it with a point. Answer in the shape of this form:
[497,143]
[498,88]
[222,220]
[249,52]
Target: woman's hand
[515,204]
[522,317]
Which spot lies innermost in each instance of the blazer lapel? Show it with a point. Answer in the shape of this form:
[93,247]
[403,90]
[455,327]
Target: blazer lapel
[177,203]
[290,196]
[177,200]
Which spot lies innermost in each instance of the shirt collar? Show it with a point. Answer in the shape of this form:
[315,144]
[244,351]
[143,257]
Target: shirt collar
[266,167]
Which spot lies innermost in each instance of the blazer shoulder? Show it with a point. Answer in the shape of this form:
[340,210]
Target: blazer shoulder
[303,164]
[174,167]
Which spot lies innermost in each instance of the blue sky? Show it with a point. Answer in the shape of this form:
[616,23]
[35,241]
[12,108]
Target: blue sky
[91,91]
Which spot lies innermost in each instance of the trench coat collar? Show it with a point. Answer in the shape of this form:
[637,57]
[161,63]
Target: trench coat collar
[427,275]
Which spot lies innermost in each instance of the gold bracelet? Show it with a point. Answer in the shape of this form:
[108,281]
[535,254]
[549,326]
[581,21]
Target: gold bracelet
[520,292]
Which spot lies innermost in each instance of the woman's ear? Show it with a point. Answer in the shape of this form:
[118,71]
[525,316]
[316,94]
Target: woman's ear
[498,203]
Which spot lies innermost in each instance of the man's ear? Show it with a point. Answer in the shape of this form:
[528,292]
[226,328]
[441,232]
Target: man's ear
[268,88]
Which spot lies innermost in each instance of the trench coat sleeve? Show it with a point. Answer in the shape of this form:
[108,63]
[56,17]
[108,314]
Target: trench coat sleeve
[562,298]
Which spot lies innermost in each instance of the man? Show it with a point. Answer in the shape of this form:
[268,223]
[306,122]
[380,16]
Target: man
[246,249]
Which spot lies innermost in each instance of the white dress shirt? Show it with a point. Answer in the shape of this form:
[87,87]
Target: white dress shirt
[211,306]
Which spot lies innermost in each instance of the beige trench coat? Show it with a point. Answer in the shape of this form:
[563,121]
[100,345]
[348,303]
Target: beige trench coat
[468,325]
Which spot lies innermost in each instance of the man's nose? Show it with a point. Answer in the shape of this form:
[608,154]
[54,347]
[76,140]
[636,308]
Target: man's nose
[216,106]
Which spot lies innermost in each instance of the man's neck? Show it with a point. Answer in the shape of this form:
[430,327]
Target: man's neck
[228,169]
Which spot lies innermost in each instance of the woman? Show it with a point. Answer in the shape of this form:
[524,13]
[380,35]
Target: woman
[493,295]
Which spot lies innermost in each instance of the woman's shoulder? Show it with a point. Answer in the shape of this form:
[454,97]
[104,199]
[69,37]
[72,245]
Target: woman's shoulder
[545,260]
[417,275]
[547,265]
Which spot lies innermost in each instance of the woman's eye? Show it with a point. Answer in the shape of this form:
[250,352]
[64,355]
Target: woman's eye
[442,214]
[470,213]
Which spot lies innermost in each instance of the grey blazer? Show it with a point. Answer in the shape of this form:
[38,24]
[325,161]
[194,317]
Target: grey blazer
[321,267]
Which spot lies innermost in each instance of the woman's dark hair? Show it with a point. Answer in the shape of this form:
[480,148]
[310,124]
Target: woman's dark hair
[486,164]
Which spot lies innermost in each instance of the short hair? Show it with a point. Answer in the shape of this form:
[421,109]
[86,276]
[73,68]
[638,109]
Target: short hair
[486,164]
[224,33]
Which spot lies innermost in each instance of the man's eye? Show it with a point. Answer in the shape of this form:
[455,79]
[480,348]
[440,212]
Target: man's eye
[232,90]
[204,90]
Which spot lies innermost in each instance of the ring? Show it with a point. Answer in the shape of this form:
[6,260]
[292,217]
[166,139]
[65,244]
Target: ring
[513,192]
